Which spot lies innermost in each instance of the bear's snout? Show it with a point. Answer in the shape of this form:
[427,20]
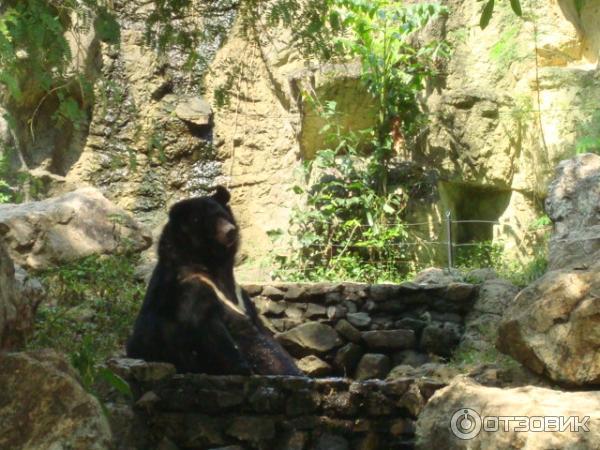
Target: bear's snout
[227,232]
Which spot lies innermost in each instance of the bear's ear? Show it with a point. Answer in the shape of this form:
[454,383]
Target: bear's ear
[222,195]
[177,211]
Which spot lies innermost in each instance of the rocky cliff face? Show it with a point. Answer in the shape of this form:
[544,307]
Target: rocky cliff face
[514,100]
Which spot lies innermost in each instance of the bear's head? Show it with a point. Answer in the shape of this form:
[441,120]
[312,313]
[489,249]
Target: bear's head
[201,230]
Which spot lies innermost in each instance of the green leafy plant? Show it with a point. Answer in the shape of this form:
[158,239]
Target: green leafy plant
[394,69]
[488,10]
[351,227]
[84,361]
[486,254]
[36,60]
[93,304]
[506,50]
[588,140]
[5,189]
[348,229]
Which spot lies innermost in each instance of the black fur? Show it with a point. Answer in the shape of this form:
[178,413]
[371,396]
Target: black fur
[182,320]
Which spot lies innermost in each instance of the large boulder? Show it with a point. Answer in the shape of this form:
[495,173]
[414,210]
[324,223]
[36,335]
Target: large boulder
[309,337]
[573,204]
[481,324]
[553,327]
[43,406]
[8,302]
[20,295]
[74,225]
[440,422]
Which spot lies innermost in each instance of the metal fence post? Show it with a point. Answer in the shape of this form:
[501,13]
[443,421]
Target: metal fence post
[449,237]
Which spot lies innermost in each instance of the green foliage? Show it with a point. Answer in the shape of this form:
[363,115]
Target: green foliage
[588,140]
[507,49]
[5,190]
[348,229]
[540,223]
[579,4]
[84,361]
[488,10]
[381,34]
[523,274]
[36,60]
[465,358]
[93,304]
[351,227]
[478,255]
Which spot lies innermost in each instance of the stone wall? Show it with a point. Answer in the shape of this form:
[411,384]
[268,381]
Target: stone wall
[361,330]
[274,413]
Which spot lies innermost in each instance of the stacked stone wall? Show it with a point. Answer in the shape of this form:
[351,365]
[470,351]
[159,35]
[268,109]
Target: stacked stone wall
[360,330]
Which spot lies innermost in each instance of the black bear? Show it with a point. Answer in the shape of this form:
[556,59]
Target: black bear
[194,314]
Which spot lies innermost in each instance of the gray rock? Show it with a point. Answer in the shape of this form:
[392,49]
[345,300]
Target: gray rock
[310,337]
[348,357]
[440,340]
[140,370]
[347,330]
[51,232]
[553,327]
[482,322]
[313,310]
[494,297]
[129,429]
[370,306]
[433,431]
[460,291]
[373,365]
[389,339]
[30,289]
[359,319]
[313,366]
[481,275]
[409,323]
[329,441]
[195,110]
[302,401]
[267,399]
[269,307]
[61,414]
[229,447]
[355,292]
[436,276]
[573,204]
[273,293]
[252,289]
[350,306]
[295,292]
[10,334]
[410,357]
[253,429]
[295,440]
[167,444]
[336,312]
[413,401]
[382,292]
[293,312]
